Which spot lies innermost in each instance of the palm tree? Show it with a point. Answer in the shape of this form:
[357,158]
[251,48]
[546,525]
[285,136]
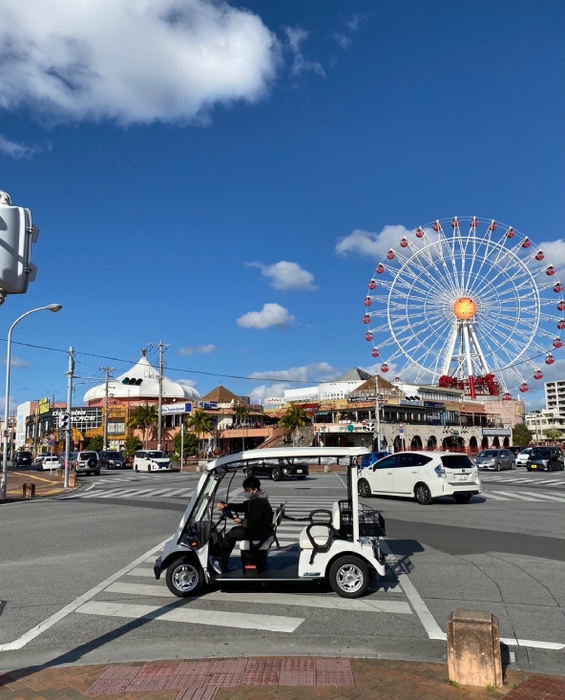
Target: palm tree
[143,417]
[240,413]
[294,417]
[200,422]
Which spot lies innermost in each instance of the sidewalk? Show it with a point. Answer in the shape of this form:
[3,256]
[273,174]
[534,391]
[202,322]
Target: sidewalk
[288,678]
[46,484]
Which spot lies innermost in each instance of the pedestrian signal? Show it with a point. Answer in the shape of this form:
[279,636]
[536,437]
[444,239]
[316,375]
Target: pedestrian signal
[131,381]
[64,421]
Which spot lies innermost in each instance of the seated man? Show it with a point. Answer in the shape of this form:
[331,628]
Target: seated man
[256,524]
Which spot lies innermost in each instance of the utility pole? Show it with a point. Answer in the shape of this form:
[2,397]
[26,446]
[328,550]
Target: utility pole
[377,415]
[162,349]
[107,370]
[69,430]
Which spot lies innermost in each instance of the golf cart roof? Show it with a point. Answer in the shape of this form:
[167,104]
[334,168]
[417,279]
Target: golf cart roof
[234,462]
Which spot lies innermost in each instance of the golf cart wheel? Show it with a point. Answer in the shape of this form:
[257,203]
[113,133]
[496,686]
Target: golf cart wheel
[363,488]
[462,497]
[185,577]
[423,494]
[349,577]
[276,474]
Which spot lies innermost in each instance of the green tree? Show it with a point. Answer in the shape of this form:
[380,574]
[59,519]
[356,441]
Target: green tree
[95,443]
[200,422]
[521,434]
[294,417]
[552,434]
[144,418]
[190,444]
[241,412]
[132,444]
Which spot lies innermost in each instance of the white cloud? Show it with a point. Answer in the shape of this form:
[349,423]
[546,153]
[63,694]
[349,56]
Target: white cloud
[313,372]
[16,150]
[287,276]
[18,363]
[375,245]
[263,391]
[187,350]
[270,315]
[187,382]
[132,60]
[300,64]
[350,25]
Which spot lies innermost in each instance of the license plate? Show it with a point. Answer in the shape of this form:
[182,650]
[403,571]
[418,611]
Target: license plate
[533,466]
[462,477]
[299,471]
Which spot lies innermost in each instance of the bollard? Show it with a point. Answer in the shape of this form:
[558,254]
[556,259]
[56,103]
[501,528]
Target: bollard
[473,648]
[72,478]
[59,473]
[326,468]
[28,490]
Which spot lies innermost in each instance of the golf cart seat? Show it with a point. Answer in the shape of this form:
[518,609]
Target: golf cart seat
[320,533]
[267,542]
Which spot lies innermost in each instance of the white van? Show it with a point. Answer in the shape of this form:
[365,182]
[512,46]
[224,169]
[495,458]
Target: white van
[423,476]
[151,460]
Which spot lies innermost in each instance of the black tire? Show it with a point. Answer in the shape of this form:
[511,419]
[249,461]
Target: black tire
[513,466]
[363,488]
[498,467]
[462,497]
[92,462]
[185,577]
[248,471]
[302,477]
[135,469]
[276,474]
[423,494]
[349,577]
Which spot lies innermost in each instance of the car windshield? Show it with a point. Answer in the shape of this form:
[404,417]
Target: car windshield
[156,454]
[88,455]
[526,451]
[489,453]
[540,453]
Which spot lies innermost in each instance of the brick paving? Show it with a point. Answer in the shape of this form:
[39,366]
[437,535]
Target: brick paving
[291,678]
[46,484]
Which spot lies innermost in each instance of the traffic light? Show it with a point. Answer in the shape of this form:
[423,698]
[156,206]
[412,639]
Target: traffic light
[17,233]
[131,381]
[64,421]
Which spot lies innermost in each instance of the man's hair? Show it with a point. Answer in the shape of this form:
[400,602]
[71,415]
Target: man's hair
[251,482]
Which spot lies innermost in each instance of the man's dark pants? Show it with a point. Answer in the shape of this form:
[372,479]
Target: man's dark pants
[231,537]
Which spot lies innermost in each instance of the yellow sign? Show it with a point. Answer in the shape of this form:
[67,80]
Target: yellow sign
[43,406]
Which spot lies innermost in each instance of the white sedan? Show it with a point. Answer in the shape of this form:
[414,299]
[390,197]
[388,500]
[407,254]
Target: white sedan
[523,457]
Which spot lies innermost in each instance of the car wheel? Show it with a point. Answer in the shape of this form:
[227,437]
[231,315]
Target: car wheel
[276,474]
[513,466]
[462,497]
[349,577]
[364,488]
[248,471]
[135,469]
[423,495]
[185,577]
[498,466]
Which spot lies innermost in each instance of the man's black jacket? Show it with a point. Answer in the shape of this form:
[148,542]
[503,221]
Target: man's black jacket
[258,520]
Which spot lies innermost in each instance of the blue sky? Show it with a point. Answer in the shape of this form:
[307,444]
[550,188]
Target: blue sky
[195,169]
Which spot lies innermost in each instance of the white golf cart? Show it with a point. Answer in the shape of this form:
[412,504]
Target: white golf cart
[341,545]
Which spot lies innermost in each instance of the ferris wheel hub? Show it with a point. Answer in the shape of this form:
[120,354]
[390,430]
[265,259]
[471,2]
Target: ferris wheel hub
[464,308]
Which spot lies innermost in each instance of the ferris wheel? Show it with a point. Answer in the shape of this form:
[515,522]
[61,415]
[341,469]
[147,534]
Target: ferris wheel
[478,309]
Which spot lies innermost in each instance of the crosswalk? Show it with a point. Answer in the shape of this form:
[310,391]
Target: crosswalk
[524,480]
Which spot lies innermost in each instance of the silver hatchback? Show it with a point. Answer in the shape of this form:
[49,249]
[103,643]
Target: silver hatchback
[495,459]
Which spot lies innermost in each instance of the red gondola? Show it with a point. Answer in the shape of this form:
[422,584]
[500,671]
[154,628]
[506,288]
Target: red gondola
[524,387]
[403,242]
[372,284]
[419,232]
[390,254]
[366,319]
[557,343]
[510,233]
[538,374]
[384,368]
[526,243]
[375,352]
[380,268]
[540,255]
[367,301]
[549,360]
[550,270]
[368,336]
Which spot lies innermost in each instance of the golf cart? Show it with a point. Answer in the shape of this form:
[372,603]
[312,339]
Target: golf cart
[340,545]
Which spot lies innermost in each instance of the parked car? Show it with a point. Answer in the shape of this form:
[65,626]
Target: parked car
[151,461]
[48,462]
[23,459]
[421,475]
[545,459]
[277,469]
[495,459]
[111,459]
[85,462]
[523,457]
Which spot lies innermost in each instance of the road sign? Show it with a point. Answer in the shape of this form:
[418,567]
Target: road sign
[401,426]
[350,428]
[51,437]
[401,430]
[51,443]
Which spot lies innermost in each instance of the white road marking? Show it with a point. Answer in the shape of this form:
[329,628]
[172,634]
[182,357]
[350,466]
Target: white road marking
[489,494]
[271,623]
[146,572]
[549,496]
[72,607]
[432,628]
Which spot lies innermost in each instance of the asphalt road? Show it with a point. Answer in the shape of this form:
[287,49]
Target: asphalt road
[76,581]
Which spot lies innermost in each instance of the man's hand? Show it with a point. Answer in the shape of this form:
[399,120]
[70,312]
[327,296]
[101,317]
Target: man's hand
[222,505]
[238,521]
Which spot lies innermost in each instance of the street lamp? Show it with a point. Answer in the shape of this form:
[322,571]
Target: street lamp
[49,307]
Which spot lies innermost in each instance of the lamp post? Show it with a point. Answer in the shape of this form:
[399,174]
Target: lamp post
[377,436]
[49,307]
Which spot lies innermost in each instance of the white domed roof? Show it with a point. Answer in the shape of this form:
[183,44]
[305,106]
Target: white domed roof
[147,388]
